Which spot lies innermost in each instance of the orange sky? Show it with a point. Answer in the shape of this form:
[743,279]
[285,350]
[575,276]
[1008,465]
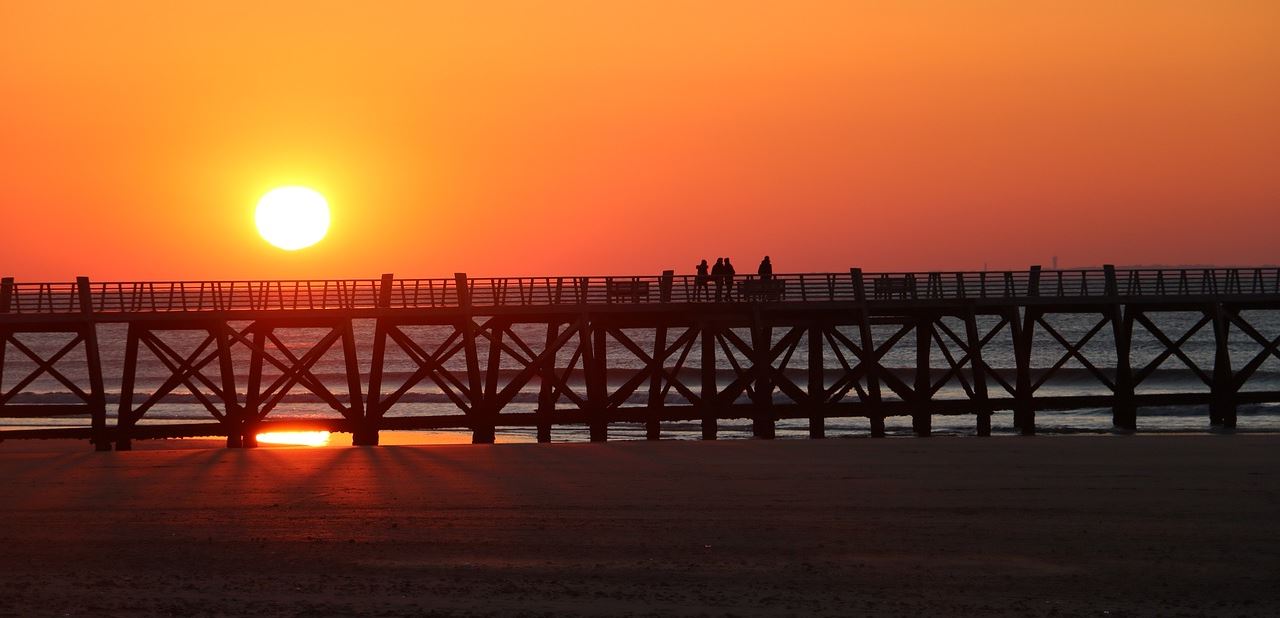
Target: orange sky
[593,137]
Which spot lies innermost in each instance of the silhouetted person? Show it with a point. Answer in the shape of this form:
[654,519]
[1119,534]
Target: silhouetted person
[701,291]
[717,273]
[766,269]
[728,280]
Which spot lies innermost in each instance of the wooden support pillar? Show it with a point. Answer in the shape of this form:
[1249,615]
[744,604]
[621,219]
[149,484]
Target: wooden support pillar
[817,384]
[546,388]
[97,395]
[707,398]
[243,425]
[981,402]
[1222,405]
[922,397]
[226,369]
[485,419]
[124,413]
[657,400]
[595,367]
[481,431]
[365,432]
[355,389]
[762,423]
[1124,411]
[1024,411]
[875,414]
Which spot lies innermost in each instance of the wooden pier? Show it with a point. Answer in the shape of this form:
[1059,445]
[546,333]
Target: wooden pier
[774,341]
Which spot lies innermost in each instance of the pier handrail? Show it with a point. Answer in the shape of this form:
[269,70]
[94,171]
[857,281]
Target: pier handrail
[388,292]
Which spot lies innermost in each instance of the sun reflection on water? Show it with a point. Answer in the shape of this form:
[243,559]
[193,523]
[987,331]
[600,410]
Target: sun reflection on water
[295,438]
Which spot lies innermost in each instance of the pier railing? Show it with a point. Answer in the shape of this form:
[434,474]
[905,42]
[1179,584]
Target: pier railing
[85,296]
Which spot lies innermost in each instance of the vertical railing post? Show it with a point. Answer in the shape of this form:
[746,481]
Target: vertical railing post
[1033,282]
[859,286]
[384,290]
[1110,287]
[463,290]
[6,298]
[664,288]
[85,295]
[6,294]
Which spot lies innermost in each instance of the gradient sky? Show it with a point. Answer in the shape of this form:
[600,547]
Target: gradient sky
[607,137]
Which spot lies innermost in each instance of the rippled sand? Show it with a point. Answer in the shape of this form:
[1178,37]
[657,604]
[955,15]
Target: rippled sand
[1006,526]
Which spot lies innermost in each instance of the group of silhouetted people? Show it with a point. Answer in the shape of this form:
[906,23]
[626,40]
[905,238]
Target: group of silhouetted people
[721,275]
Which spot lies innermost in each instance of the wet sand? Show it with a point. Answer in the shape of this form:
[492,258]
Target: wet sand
[1134,525]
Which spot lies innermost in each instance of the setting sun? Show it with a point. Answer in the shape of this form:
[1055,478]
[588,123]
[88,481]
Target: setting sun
[292,218]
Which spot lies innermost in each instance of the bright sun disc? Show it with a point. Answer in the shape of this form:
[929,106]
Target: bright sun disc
[292,217]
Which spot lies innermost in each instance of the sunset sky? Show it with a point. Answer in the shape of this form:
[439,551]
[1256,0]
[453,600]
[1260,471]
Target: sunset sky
[518,138]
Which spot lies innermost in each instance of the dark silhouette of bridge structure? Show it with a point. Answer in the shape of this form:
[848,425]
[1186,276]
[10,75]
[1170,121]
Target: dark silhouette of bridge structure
[629,349]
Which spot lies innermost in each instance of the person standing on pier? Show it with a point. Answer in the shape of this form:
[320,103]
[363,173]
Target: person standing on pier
[700,289]
[717,276]
[766,269]
[728,279]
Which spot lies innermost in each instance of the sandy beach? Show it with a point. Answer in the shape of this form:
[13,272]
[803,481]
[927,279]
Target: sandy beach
[1136,525]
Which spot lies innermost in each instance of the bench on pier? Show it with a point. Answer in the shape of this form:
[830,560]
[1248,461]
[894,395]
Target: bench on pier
[889,287]
[633,291]
[761,289]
